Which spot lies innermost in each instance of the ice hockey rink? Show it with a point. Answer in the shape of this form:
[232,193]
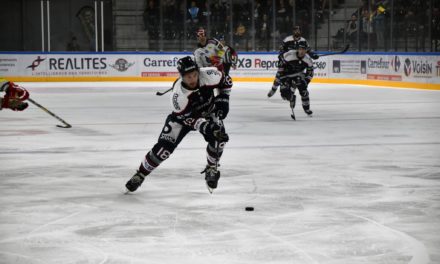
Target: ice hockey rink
[359,182]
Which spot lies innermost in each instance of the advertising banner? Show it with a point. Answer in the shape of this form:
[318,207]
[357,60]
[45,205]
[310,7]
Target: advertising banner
[392,68]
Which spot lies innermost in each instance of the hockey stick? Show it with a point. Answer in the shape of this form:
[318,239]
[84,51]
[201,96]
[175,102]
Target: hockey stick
[66,125]
[162,93]
[336,53]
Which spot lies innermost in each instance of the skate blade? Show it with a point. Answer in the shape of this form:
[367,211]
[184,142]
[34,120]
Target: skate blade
[210,190]
[127,191]
[293,117]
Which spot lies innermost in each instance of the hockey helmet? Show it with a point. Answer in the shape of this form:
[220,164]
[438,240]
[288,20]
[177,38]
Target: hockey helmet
[302,45]
[186,64]
[201,32]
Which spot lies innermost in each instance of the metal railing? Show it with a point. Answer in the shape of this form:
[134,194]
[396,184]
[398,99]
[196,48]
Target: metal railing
[92,25]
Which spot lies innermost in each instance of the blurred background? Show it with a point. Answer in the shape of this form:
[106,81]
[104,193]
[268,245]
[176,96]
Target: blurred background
[260,25]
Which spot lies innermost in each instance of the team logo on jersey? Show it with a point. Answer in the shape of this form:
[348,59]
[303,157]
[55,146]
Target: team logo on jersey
[165,135]
[176,101]
[35,63]
[395,63]
[407,67]
[121,65]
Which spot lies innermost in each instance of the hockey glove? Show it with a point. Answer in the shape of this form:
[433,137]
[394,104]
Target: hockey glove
[221,103]
[15,97]
[213,132]
[286,91]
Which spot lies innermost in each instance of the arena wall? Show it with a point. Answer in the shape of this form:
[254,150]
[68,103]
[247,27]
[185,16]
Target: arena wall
[406,70]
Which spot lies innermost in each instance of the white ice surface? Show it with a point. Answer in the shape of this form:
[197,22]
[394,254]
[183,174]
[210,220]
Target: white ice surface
[357,183]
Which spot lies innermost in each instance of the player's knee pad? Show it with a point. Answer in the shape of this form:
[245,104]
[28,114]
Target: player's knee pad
[212,146]
[214,152]
[160,152]
[305,101]
[300,83]
[304,93]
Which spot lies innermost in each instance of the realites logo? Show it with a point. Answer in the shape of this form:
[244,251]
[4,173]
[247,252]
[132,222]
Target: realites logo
[35,63]
[407,67]
[395,63]
[121,65]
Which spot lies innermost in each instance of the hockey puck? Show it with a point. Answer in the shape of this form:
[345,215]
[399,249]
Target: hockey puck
[249,208]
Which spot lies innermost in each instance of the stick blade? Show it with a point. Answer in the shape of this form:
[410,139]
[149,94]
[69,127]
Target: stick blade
[65,126]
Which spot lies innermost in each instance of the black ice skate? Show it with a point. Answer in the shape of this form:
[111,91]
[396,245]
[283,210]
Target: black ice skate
[272,92]
[308,112]
[135,182]
[212,175]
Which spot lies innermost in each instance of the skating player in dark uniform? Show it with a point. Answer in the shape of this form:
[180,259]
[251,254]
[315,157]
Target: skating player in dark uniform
[297,72]
[290,43]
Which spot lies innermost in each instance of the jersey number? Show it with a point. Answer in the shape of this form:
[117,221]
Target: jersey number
[163,153]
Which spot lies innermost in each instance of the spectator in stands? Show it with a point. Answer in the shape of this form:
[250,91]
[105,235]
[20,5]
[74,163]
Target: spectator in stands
[193,18]
[379,25]
[246,13]
[240,37]
[73,45]
[352,30]
[320,4]
[219,23]
[151,20]
[206,14]
[263,32]
[367,35]
[170,15]
[435,27]
[281,17]
[194,12]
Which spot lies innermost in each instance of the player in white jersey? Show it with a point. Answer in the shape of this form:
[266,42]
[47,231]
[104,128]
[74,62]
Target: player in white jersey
[210,51]
[297,72]
[14,97]
[200,101]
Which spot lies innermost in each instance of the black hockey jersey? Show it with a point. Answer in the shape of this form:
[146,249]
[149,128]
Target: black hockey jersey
[291,43]
[294,66]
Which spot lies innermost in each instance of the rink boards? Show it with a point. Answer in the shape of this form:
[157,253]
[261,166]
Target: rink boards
[411,70]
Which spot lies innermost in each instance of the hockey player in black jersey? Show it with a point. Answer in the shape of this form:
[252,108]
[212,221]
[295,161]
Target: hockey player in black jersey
[195,107]
[297,72]
[290,43]
[230,58]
